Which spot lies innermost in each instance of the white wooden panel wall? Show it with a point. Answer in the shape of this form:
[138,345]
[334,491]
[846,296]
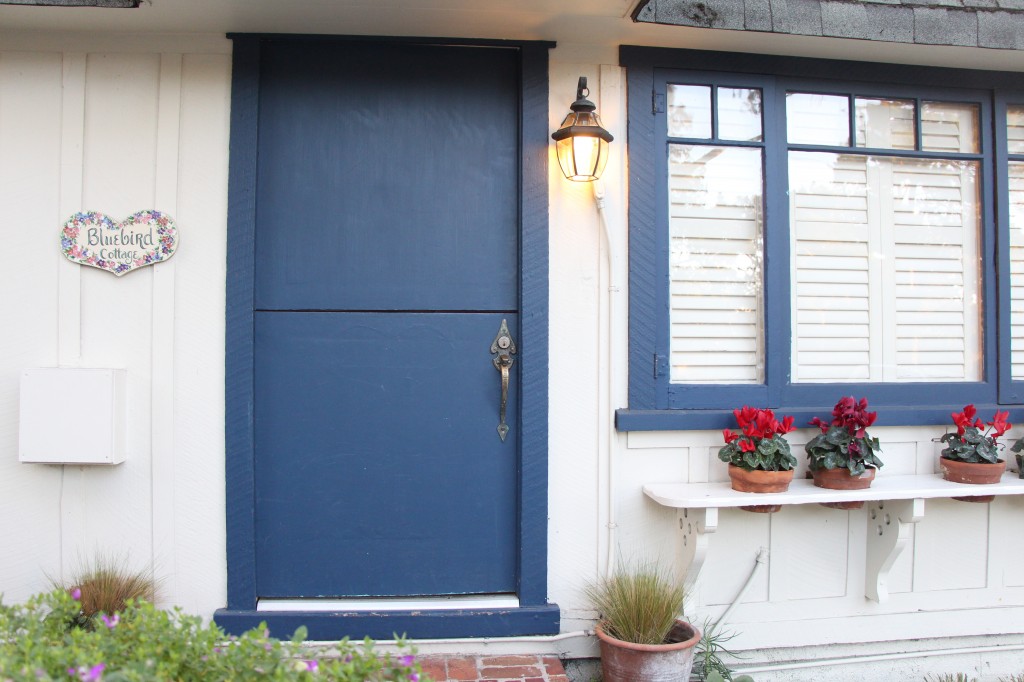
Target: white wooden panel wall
[813,590]
[117,131]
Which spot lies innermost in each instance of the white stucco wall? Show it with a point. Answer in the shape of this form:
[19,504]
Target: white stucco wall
[119,124]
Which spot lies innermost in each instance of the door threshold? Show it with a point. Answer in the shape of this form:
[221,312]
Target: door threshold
[422,623]
[377,604]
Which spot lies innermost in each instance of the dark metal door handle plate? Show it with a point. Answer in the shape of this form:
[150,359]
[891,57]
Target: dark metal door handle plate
[503,348]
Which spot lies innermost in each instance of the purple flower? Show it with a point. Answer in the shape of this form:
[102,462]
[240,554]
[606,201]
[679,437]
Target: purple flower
[406,660]
[413,677]
[312,666]
[348,659]
[110,621]
[76,594]
[92,674]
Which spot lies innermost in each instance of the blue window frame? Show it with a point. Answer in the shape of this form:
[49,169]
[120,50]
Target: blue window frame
[656,401]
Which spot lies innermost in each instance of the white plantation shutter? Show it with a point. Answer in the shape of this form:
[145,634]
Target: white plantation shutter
[1015,129]
[937,269]
[886,268]
[831,260]
[715,223]
[1016,187]
[949,127]
[885,124]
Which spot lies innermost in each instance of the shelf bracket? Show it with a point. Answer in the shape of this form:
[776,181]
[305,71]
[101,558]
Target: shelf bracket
[889,526]
[695,527]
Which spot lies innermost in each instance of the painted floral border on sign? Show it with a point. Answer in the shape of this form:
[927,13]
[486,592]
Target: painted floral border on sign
[95,239]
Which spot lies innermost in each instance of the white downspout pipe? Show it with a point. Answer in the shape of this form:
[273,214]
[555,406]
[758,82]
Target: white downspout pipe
[614,325]
[608,328]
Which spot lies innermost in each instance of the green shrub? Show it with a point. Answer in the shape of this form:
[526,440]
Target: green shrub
[146,644]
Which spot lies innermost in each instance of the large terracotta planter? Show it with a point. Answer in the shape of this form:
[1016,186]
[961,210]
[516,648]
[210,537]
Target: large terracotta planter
[758,481]
[972,472]
[669,662]
[840,479]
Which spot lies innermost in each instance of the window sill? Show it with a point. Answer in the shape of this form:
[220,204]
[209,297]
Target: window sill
[697,420]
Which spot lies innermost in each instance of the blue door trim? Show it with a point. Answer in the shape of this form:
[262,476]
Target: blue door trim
[535,615]
[438,624]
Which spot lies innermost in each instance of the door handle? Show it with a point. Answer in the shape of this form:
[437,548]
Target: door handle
[503,348]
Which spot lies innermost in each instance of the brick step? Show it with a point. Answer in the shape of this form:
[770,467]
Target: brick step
[450,668]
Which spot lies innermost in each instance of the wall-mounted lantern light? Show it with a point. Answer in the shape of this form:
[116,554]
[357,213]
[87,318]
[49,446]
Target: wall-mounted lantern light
[581,143]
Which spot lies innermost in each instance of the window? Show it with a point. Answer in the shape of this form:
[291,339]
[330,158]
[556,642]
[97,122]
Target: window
[804,238]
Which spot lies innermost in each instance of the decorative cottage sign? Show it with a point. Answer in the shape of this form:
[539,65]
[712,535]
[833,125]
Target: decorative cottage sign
[141,239]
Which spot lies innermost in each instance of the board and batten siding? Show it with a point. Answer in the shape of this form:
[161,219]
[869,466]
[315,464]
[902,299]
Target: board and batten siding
[117,130]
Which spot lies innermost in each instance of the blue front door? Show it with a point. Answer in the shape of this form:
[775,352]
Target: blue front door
[386,258]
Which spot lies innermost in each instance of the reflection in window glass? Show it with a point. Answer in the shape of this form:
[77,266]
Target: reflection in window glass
[1015,129]
[1016,187]
[949,127]
[689,111]
[817,119]
[715,234]
[885,123]
[885,268]
[739,114]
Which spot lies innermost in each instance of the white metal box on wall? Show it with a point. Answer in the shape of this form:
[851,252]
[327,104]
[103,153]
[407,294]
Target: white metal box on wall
[72,416]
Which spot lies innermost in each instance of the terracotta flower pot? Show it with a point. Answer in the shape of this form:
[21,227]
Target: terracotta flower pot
[669,662]
[840,479]
[758,481]
[972,472]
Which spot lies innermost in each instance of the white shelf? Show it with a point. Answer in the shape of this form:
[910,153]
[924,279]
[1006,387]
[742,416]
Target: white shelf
[803,491]
[894,504]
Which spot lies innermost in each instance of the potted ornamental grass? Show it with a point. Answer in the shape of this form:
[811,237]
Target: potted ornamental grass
[641,636]
[971,454]
[843,456]
[759,457]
